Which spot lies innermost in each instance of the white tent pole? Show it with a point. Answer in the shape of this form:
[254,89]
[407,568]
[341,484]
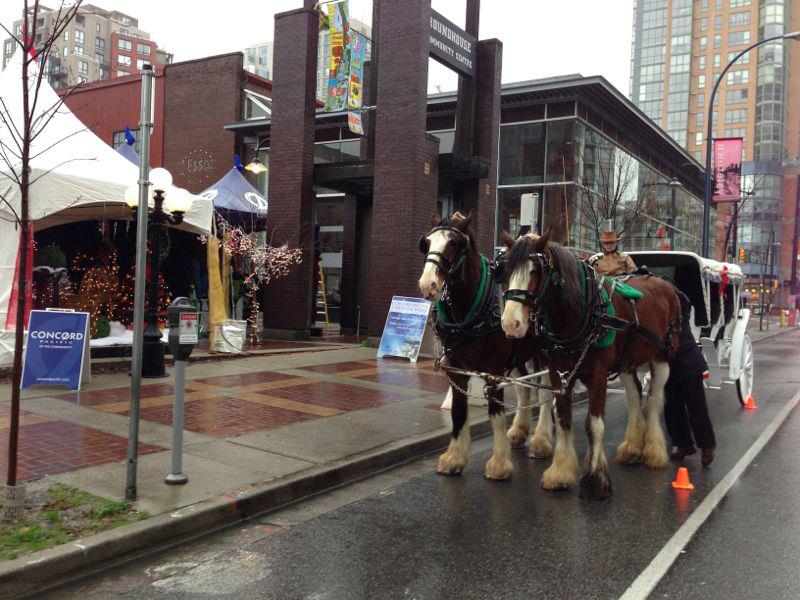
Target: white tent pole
[145,128]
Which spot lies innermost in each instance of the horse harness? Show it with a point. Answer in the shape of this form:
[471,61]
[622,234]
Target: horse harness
[484,315]
[598,322]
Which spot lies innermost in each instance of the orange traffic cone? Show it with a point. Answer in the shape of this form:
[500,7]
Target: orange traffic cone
[682,480]
[750,403]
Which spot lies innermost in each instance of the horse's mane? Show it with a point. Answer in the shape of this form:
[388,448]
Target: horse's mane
[566,265]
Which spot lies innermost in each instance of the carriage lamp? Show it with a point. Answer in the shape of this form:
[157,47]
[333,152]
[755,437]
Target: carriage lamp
[167,205]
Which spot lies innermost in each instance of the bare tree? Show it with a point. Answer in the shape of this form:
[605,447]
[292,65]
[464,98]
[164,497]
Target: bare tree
[610,189]
[16,155]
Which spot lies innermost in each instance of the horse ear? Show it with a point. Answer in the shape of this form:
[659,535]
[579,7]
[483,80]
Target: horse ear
[466,221]
[541,243]
[507,239]
[434,219]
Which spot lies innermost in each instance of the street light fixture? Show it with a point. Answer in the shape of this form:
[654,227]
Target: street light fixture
[177,201]
[256,166]
[795,35]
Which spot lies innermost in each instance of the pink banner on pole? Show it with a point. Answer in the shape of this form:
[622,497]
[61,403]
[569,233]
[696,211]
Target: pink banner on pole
[727,170]
[13,304]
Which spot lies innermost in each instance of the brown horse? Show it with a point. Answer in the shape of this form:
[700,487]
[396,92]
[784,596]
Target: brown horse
[568,302]
[467,321]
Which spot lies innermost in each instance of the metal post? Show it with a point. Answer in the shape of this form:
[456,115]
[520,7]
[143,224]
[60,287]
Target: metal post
[176,476]
[710,133]
[153,346]
[673,217]
[145,127]
[795,240]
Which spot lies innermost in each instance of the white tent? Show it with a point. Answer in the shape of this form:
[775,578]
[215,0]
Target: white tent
[77,176]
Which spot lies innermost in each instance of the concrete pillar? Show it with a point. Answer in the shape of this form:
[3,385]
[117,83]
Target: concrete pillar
[480,198]
[406,159]
[347,285]
[287,302]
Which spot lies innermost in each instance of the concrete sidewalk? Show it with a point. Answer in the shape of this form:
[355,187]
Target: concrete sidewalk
[259,432]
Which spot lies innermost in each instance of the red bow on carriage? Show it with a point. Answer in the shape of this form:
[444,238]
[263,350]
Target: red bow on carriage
[723,284]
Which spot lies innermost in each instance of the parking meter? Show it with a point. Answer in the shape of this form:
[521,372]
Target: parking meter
[184,322]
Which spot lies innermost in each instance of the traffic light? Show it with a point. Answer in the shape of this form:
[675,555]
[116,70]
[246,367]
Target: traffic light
[741,255]
[775,284]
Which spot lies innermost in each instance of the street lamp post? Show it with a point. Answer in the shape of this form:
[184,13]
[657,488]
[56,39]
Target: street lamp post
[176,201]
[674,184]
[709,130]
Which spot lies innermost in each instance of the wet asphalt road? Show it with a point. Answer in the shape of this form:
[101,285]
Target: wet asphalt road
[412,534]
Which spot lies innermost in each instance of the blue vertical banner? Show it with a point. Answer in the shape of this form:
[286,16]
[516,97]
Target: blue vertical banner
[56,345]
[358,51]
[405,327]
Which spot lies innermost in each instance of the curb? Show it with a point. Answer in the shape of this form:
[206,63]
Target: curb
[54,566]
[775,334]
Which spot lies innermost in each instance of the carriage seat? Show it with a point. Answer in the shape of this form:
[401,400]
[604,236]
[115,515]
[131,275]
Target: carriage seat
[623,289]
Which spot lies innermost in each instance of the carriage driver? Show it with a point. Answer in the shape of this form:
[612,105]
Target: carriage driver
[611,261]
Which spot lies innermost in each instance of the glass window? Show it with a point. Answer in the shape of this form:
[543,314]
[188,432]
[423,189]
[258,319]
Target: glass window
[100,57]
[700,100]
[123,60]
[698,119]
[97,27]
[703,5]
[66,35]
[718,22]
[737,77]
[143,49]
[738,19]
[703,24]
[736,115]
[738,3]
[698,138]
[521,153]
[701,81]
[8,47]
[718,41]
[701,62]
[141,63]
[743,60]
[703,42]
[124,45]
[78,50]
[560,151]
[508,205]
[739,38]
[122,73]
[79,37]
[66,51]
[717,62]
[736,96]
[83,67]
[100,43]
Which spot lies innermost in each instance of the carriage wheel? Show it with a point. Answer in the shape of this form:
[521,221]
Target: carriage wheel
[744,385]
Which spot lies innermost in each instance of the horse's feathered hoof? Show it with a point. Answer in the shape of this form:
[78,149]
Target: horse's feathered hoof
[540,447]
[499,469]
[655,456]
[628,454]
[517,436]
[450,464]
[595,486]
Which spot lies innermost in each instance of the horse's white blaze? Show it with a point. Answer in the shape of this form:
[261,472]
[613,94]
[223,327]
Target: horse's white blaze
[499,465]
[514,321]
[563,471]
[541,443]
[655,445]
[631,448]
[597,458]
[432,281]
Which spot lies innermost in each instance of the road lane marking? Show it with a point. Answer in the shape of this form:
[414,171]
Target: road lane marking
[648,579]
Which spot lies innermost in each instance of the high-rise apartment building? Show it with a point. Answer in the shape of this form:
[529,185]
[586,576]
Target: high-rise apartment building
[97,44]
[258,59]
[679,49]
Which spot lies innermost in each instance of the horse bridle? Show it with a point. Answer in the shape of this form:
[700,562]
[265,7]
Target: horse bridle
[531,299]
[443,264]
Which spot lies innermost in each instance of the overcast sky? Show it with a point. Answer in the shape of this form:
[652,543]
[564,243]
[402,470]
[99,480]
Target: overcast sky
[541,38]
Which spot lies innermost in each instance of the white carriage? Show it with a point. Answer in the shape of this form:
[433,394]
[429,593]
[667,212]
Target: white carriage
[719,314]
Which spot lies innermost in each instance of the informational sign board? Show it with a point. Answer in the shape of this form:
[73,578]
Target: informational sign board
[452,46]
[188,325]
[405,327]
[57,349]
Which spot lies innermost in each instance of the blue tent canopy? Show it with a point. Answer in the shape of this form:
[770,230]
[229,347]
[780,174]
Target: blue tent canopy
[236,198]
[129,152]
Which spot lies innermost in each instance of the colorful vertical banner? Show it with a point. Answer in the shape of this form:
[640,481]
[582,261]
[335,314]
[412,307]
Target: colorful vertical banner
[358,51]
[727,170]
[339,73]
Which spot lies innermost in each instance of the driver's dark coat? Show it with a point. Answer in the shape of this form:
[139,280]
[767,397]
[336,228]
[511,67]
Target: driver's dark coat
[689,361]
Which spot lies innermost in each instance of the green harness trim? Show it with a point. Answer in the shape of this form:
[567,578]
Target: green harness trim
[624,290]
[475,302]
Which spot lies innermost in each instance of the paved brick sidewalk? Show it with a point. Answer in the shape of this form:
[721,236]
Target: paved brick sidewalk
[247,421]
